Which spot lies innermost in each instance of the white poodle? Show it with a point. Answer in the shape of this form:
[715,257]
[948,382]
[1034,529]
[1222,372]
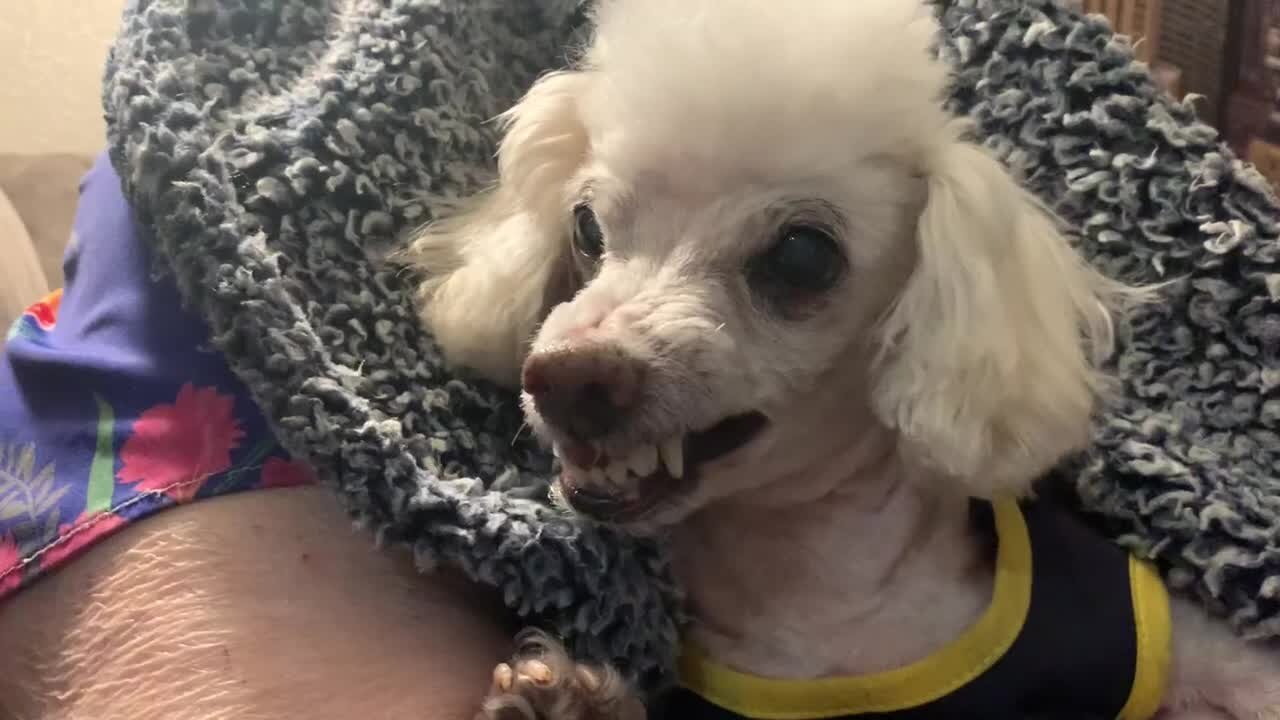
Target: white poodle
[765,298]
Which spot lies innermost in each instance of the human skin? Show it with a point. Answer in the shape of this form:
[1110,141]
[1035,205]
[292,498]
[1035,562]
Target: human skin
[255,606]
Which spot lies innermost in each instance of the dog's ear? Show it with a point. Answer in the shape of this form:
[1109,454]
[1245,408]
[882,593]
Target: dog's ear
[496,267]
[988,363]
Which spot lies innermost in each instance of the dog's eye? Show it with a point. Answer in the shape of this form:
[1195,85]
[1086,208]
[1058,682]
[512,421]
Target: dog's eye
[803,259]
[587,236]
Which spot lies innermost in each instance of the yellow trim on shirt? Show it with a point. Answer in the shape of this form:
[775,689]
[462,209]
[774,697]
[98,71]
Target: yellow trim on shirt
[936,676]
[1154,629]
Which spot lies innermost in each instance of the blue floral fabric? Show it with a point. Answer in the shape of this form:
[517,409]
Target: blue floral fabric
[111,406]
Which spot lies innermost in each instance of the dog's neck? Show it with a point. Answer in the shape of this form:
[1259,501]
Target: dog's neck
[864,576]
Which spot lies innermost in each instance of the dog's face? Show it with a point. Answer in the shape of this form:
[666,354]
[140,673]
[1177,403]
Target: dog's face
[720,318]
[714,272]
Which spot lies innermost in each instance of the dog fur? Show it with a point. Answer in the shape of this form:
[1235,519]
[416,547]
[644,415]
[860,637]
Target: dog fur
[958,355]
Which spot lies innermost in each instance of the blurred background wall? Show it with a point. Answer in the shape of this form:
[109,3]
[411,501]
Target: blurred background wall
[52,52]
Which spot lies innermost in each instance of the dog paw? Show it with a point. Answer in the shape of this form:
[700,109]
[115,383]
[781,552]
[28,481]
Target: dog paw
[541,682]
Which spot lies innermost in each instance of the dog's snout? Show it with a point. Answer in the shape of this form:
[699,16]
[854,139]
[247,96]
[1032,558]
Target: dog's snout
[584,390]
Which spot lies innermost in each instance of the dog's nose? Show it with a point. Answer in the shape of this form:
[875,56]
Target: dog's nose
[584,390]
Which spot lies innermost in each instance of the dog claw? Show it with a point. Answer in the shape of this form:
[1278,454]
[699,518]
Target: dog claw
[537,671]
[503,677]
[543,683]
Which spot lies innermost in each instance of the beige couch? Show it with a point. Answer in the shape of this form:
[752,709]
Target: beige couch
[38,196]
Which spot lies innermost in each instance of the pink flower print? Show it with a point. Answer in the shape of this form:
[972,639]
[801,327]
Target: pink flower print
[175,448]
[45,311]
[75,536]
[10,560]
[281,473]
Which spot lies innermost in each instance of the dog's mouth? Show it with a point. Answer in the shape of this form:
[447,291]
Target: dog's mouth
[626,488]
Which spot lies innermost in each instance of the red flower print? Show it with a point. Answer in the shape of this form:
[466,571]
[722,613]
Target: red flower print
[281,473]
[45,312]
[75,536]
[174,448]
[10,558]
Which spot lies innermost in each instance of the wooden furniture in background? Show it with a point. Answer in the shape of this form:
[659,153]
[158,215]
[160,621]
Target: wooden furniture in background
[1252,111]
[1253,74]
[1193,38]
[1143,22]
[1266,157]
[1138,19]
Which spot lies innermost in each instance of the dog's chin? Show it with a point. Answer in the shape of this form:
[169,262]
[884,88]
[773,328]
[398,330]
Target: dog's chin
[634,489]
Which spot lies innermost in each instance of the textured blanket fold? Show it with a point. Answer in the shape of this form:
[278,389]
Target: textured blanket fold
[278,150]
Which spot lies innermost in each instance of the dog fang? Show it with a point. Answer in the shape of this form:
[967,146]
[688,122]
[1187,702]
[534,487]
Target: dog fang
[672,452]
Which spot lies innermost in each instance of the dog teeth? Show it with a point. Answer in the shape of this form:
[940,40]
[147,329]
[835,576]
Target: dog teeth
[644,461]
[617,472]
[672,453]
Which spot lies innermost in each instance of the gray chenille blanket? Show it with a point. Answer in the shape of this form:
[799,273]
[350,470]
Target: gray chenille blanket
[278,150]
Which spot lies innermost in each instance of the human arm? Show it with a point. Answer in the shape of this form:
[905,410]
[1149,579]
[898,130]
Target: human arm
[261,605]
